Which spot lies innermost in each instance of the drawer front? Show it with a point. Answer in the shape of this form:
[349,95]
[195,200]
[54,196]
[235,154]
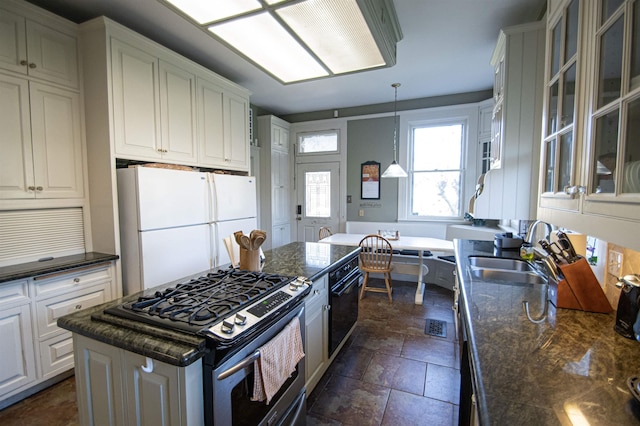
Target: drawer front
[74,279]
[49,310]
[56,355]
[318,294]
[14,293]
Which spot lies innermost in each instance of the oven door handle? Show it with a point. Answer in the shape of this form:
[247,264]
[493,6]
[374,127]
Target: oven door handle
[337,291]
[239,366]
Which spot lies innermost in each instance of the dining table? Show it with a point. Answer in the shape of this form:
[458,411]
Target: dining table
[400,243]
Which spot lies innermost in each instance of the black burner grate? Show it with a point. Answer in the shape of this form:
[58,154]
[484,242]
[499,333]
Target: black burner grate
[207,299]
[435,327]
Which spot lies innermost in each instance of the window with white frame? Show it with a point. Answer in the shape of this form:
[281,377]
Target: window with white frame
[321,142]
[435,182]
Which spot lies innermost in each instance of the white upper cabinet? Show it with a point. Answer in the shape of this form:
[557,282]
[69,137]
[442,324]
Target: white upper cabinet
[29,48]
[223,127]
[154,107]
[590,176]
[42,141]
[136,101]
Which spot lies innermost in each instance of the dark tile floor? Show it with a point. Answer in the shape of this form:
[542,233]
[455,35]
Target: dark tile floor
[388,373]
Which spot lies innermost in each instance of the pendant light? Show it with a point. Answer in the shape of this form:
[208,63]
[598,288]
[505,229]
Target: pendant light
[394,170]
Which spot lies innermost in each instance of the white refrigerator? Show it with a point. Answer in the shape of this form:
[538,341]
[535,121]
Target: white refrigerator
[164,225]
[233,207]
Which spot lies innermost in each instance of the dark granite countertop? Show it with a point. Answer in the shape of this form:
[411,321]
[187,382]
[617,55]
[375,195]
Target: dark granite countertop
[310,260]
[571,368]
[57,264]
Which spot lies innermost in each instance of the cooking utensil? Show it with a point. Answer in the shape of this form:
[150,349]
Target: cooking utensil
[242,240]
[634,386]
[257,237]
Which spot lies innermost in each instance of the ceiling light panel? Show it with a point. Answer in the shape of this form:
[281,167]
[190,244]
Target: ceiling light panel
[204,11]
[336,31]
[262,39]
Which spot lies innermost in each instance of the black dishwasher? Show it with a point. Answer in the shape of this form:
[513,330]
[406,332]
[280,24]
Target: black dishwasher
[344,282]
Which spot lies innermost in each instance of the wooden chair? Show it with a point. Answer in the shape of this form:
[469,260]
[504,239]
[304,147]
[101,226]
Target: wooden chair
[375,256]
[324,232]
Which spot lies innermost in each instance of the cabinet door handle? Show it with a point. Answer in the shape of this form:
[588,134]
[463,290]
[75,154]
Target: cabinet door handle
[32,65]
[148,367]
[316,292]
[31,188]
[23,62]
[39,188]
[76,280]
[78,307]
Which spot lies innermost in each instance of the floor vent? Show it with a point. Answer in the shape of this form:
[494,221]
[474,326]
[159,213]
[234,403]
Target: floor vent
[436,328]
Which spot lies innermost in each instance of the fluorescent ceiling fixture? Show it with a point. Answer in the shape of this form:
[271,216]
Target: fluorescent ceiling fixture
[295,40]
[214,10]
[264,41]
[336,32]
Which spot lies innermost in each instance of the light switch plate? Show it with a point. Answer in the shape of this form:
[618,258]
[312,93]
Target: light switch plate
[614,263]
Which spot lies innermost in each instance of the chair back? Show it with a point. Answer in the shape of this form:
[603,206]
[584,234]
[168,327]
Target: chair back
[324,232]
[376,253]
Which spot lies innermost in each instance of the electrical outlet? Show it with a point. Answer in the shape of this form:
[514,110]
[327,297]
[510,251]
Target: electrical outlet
[614,263]
[361,213]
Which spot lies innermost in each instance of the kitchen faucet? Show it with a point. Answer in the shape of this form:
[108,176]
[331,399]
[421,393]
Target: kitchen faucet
[532,230]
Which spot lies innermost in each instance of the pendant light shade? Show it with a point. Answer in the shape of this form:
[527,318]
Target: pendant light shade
[395,170]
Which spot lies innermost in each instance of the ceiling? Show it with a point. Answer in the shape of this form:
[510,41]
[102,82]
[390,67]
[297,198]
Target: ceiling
[446,48]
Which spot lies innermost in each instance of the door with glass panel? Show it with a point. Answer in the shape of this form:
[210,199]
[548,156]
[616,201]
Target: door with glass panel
[560,180]
[614,159]
[318,199]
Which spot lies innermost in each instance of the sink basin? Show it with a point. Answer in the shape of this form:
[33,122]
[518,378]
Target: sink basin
[512,277]
[500,269]
[500,263]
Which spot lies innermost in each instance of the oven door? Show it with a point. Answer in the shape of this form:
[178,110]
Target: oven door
[344,309]
[229,386]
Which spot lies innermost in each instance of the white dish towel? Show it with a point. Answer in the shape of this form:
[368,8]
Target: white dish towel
[278,359]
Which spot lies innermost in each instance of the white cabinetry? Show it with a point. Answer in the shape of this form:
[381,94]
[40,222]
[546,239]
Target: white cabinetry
[36,50]
[515,130]
[154,107]
[223,127]
[275,201]
[590,172]
[117,387]
[29,311]
[41,121]
[147,103]
[18,356]
[316,332]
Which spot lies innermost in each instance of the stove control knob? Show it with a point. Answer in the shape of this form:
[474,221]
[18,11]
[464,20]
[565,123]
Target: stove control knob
[240,319]
[294,286]
[227,326]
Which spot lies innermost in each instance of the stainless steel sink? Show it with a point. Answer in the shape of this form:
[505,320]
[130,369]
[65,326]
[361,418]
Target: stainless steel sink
[500,263]
[499,269]
[513,277]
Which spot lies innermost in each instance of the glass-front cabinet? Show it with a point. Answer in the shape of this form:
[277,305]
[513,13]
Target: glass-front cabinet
[613,164]
[561,128]
[590,172]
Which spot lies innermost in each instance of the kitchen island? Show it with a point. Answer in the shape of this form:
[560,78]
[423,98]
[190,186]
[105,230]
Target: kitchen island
[122,351]
[555,367]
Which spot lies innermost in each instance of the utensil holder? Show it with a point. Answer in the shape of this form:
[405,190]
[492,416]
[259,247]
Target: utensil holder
[250,259]
[580,289]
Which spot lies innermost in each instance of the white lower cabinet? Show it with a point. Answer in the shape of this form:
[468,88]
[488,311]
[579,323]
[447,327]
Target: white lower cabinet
[115,387]
[316,333]
[18,358]
[34,349]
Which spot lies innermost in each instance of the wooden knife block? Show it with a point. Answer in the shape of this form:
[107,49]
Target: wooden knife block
[580,289]
[250,259]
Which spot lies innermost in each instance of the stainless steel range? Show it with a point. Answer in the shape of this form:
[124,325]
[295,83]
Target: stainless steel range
[237,312]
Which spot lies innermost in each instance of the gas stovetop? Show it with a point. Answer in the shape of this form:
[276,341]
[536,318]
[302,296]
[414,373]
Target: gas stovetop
[223,305]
